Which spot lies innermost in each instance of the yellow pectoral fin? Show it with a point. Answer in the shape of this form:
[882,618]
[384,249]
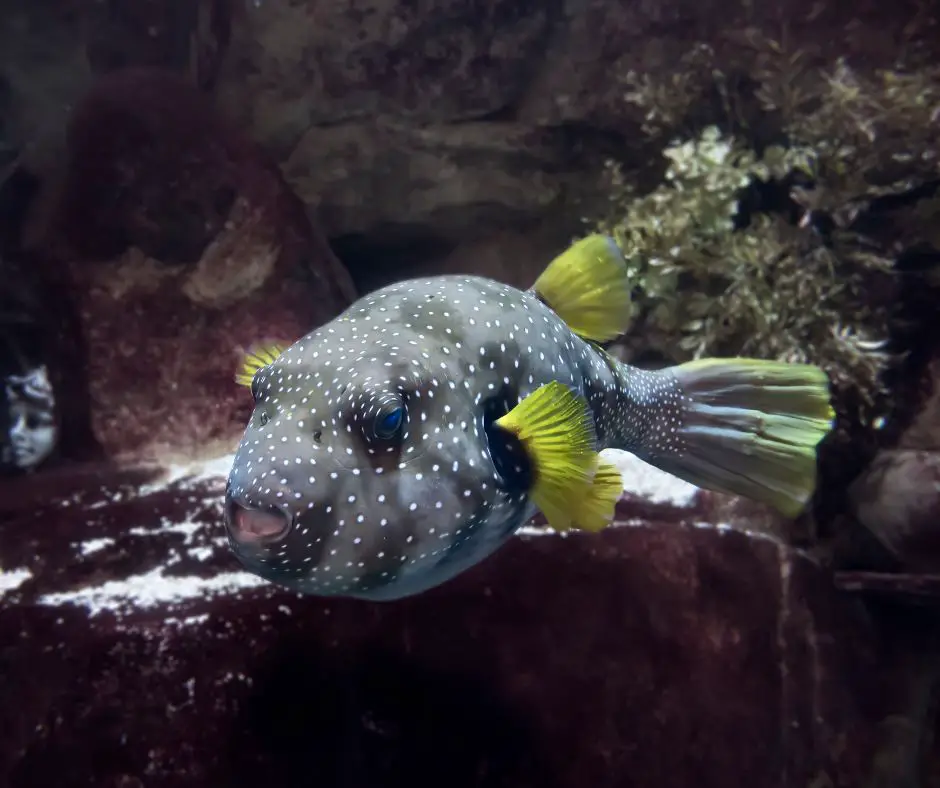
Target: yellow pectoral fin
[596,509]
[556,429]
[257,357]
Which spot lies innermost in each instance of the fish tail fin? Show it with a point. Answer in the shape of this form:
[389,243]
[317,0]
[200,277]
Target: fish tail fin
[588,287]
[751,427]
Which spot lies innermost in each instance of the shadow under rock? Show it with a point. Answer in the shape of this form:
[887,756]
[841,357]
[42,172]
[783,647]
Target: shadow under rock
[374,719]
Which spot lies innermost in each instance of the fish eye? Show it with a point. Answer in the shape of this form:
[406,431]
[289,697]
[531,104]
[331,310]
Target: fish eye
[263,418]
[388,422]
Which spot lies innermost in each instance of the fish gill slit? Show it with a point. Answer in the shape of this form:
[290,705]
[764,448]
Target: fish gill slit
[507,453]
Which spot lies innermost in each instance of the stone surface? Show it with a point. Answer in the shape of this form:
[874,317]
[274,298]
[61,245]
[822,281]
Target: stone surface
[448,121]
[462,117]
[43,69]
[175,244]
[185,36]
[918,588]
[668,651]
[897,497]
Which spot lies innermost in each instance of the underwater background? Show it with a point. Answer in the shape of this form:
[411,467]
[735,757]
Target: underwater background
[182,178]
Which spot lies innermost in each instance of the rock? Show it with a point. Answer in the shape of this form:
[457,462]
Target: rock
[916,588]
[43,71]
[669,650]
[440,62]
[177,35]
[179,245]
[53,50]
[923,432]
[449,122]
[390,116]
[462,119]
[897,497]
[449,179]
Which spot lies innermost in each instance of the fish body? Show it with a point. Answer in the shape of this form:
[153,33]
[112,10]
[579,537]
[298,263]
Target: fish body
[377,463]
[400,519]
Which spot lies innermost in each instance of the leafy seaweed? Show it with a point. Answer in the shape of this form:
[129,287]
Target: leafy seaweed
[788,250]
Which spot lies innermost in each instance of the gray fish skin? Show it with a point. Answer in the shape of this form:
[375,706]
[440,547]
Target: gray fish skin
[384,522]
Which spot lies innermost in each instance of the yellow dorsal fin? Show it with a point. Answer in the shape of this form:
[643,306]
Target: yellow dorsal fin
[588,287]
[257,357]
[596,509]
[556,429]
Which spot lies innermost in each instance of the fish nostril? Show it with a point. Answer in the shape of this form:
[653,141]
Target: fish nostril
[318,436]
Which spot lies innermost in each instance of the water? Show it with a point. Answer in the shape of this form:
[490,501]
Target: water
[180,181]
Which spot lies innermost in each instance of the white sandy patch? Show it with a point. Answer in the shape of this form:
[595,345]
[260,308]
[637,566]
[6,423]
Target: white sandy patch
[197,472]
[538,530]
[750,533]
[187,621]
[188,528]
[152,589]
[11,579]
[645,481]
[91,546]
[155,588]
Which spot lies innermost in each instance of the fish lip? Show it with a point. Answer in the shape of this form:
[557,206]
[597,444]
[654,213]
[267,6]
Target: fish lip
[244,538]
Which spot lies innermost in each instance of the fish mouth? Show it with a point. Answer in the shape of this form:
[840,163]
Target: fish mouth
[250,526]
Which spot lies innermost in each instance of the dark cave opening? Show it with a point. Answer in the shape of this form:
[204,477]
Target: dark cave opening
[390,254]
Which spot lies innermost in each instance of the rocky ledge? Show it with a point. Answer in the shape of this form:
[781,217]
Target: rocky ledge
[671,650]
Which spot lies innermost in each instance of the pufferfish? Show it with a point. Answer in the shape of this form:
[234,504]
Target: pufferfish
[406,440]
